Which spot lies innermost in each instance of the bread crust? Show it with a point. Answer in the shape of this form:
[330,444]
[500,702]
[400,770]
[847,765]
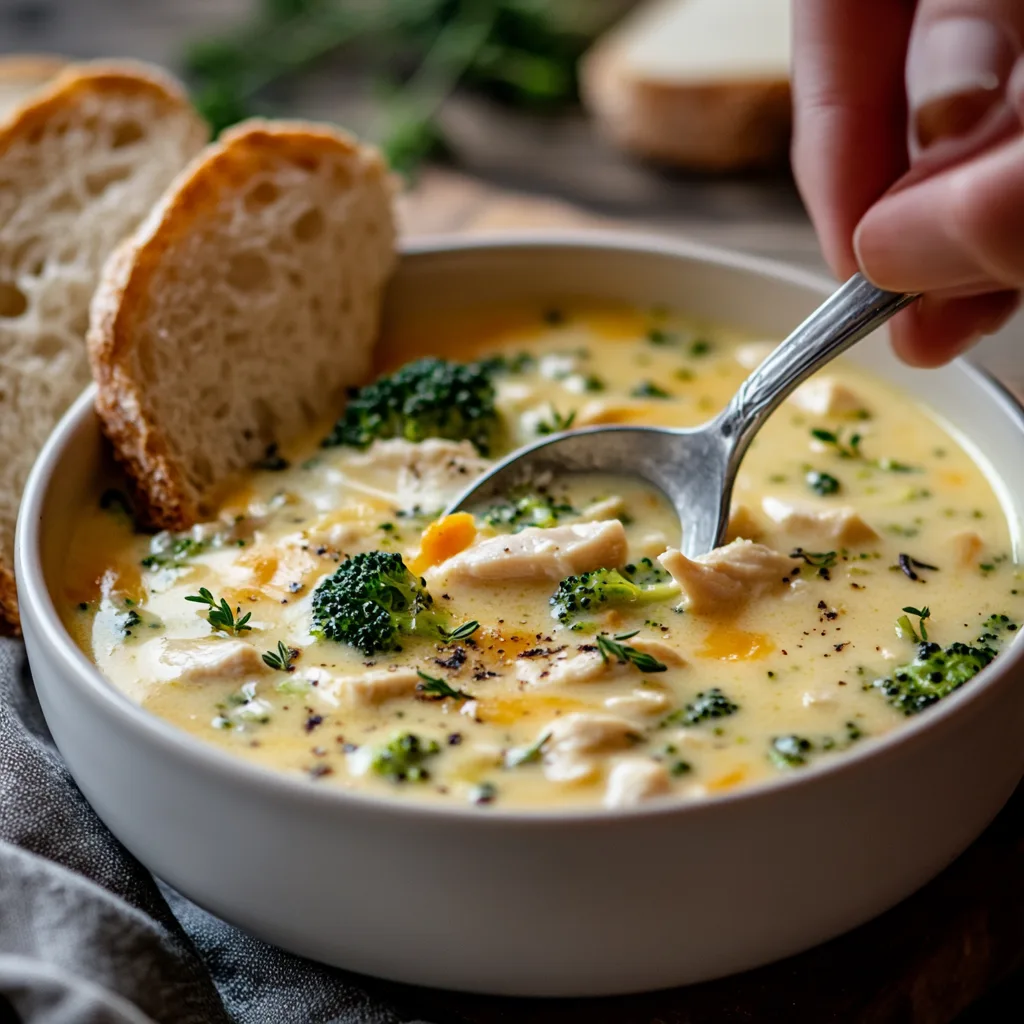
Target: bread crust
[101,79]
[30,67]
[164,496]
[65,92]
[726,126]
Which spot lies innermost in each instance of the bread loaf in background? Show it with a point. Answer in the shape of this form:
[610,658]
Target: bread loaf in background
[241,310]
[82,161]
[21,75]
[700,84]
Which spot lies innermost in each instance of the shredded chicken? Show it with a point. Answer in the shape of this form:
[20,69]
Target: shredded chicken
[608,508]
[726,577]
[834,526]
[664,652]
[634,780]
[652,544]
[377,687]
[639,703]
[429,474]
[575,739]
[562,668]
[205,660]
[827,396]
[743,524]
[539,554]
[967,547]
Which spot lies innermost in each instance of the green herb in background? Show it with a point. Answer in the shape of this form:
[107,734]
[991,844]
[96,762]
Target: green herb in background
[522,52]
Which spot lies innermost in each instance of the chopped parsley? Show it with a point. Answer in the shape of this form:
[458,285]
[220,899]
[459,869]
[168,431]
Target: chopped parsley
[845,448]
[822,483]
[648,389]
[556,423]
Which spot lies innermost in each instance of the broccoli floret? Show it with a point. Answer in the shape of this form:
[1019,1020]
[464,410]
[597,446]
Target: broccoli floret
[790,751]
[427,398]
[525,508]
[645,573]
[402,759]
[588,593]
[932,675]
[711,703]
[372,600]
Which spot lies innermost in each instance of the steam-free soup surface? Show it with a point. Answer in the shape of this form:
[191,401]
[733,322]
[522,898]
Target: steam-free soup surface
[871,572]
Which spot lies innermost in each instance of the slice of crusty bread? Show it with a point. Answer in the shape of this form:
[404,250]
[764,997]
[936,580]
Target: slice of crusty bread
[81,163]
[701,84]
[21,74]
[241,310]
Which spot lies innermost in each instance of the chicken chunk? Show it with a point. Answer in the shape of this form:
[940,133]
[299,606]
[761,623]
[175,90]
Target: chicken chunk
[827,396]
[652,544]
[575,740]
[634,780]
[743,523]
[967,547]
[640,703]
[206,660]
[562,668]
[656,648]
[726,577]
[539,554]
[833,526]
[607,508]
[429,474]
[377,687]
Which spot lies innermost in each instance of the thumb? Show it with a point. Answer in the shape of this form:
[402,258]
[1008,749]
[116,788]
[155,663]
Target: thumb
[959,60]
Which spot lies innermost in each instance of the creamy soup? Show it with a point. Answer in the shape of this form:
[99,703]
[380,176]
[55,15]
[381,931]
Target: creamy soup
[555,648]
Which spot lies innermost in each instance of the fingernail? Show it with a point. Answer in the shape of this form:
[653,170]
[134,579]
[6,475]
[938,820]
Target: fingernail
[956,72]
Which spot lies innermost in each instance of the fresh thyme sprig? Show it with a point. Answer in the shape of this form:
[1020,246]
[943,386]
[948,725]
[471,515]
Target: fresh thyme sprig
[220,615]
[527,755]
[904,628]
[848,448]
[281,659]
[463,632]
[438,689]
[817,559]
[611,647]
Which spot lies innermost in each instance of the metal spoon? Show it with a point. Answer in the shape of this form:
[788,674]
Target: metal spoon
[696,467]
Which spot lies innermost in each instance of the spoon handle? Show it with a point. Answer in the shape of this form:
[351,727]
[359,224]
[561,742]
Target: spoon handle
[849,314]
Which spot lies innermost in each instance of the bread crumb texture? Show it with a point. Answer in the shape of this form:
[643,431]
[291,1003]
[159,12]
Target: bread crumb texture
[241,310]
[81,163]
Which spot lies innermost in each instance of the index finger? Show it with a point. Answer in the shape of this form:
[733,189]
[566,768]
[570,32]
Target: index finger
[850,120]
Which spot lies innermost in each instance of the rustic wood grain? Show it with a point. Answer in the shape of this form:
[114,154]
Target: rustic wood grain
[923,962]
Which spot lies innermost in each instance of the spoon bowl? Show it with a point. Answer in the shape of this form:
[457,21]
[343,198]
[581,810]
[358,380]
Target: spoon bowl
[696,468]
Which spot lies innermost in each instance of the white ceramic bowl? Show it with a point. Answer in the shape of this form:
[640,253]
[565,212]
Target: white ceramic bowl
[580,903]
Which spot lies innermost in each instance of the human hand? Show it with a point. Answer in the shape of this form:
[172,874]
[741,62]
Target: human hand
[928,201]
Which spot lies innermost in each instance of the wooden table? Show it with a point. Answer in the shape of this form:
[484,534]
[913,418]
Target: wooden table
[927,960]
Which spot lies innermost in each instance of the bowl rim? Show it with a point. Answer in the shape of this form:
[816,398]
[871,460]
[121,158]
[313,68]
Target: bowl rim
[38,606]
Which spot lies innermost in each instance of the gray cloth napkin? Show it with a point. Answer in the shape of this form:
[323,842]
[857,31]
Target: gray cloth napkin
[87,936]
